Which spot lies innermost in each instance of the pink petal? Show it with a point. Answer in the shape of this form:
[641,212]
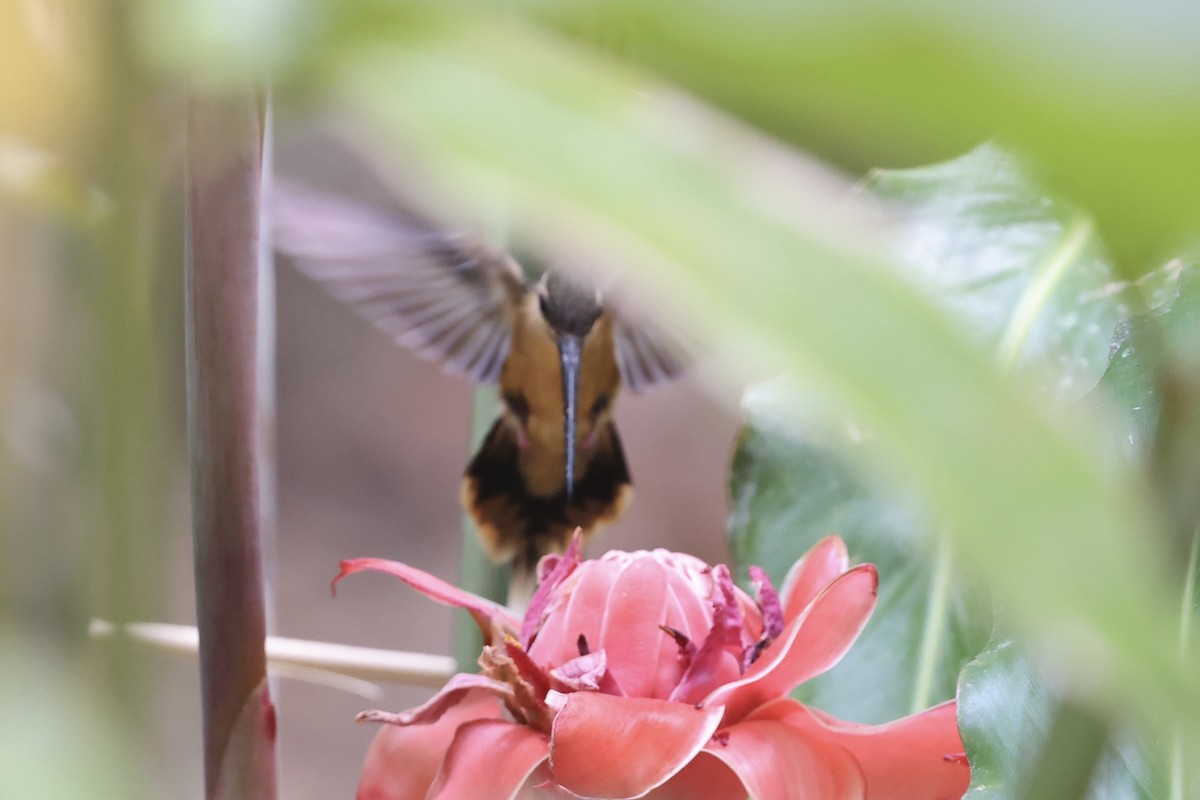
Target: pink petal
[825,561]
[811,644]
[617,607]
[489,760]
[902,760]
[768,603]
[577,610]
[777,762]
[621,747]
[403,762]
[583,673]
[450,695]
[704,778]
[688,611]
[636,648]
[558,569]
[534,675]
[538,786]
[709,663]
[484,611]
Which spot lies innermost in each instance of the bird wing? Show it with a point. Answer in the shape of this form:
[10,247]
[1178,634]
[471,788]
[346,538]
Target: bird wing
[647,354]
[449,297]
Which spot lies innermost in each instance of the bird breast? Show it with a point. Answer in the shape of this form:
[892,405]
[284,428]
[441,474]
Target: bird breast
[532,382]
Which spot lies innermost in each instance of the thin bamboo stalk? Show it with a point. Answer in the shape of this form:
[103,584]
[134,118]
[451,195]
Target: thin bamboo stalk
[364,663]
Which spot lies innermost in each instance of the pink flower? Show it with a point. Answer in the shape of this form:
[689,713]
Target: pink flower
[650,674]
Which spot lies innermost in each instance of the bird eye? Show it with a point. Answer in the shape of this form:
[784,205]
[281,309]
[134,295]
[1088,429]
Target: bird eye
[599,406]
[519,406]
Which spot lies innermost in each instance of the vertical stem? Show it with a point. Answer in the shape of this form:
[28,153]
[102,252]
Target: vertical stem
[477,573]
[223,202]
[123,412]
[265,372]
[1180,777]
[936,608]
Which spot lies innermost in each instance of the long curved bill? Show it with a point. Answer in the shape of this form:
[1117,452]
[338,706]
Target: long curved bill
[569,348]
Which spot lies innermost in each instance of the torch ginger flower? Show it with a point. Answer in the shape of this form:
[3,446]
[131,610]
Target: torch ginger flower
[651,675]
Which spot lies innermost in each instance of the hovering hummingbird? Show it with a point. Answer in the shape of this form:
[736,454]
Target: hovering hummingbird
[552,460]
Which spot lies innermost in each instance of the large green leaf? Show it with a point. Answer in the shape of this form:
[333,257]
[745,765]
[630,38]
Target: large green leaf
[1023,276]
[1022,272]
[593,156]
[1005,709]
[1170,332]
[1105,97]
[750,238]
[791,487]
[1005,701]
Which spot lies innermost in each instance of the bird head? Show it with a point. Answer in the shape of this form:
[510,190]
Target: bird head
[570,305]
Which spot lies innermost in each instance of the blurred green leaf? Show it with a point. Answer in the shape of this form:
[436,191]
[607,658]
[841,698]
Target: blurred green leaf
[1005,701]
[593,157]
[224,42]
[60,736]
[1022,276]
[1140,345]
[1021,272]
[1005,709]
[1105,99]
[788,491]
[42,181]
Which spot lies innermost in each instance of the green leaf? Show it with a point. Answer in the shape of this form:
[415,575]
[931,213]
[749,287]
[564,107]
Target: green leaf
[758,242]
[1005,708]
[1171,329]
[1022,272]
[790,489]
[1102,98]
[1022,275]
[1005,701]
[61,735]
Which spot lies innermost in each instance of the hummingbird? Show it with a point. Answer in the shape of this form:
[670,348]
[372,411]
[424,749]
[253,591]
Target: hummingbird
[558,346]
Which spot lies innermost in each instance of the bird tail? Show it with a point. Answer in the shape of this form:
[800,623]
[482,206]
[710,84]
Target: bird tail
[516,525]
[523,581]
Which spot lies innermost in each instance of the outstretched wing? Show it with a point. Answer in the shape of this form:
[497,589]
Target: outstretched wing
[447,296]
[647,354]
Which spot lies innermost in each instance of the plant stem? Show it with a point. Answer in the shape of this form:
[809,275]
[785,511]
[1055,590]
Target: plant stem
[936,608]
[1039,291]
[224,435]
[477,573]
[1187,612]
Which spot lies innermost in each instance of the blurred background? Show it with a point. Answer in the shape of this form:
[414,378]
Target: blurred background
[715,148]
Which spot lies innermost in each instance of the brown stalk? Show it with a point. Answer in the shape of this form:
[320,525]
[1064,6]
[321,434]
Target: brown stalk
[224,180]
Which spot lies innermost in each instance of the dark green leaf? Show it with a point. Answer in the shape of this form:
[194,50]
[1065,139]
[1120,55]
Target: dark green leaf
[1138,348]
[762,245]
[1022,272]
[1103,98]
[1005,701]
[1005,709]
[789,491]
[1022,275]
